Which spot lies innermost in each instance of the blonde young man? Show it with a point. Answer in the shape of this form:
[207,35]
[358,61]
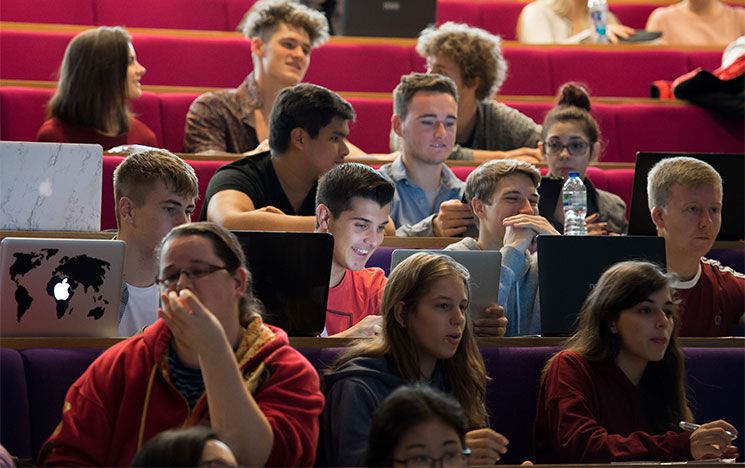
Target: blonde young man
[685,201]
[282,36]
[155,191]
[504,197]
[473,59]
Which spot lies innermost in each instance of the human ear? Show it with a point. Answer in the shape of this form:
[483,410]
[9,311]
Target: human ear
[399,312]
[657,218]
[297,138]
[595,151]
[323,216]
[478,207]
[612,327]
[126,209]
[257,46]
[241,281]
[397,125]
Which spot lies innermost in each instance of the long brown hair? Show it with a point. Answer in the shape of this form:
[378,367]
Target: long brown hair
[92,87]
[621,287]
[465,374]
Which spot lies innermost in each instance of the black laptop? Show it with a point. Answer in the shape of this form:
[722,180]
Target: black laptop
[570,266]
[730,166]
[291,272]
[387,18]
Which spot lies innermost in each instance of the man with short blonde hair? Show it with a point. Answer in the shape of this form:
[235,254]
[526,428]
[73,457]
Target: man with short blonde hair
[685,201]
[154,191]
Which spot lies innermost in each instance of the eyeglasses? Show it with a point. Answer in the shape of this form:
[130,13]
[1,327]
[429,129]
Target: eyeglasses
[170,281]
[574,147]
[450,459]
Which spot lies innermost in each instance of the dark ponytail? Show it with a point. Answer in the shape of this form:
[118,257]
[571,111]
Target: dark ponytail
[573,105]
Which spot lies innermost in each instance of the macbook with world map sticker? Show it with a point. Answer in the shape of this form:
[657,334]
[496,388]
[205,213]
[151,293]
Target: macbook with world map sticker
[60,287]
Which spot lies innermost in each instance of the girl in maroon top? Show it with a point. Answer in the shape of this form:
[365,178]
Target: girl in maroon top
[618,392]
[99,77]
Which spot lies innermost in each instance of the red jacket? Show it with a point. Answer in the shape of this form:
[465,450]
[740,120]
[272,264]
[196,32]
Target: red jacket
[126,397]
[592,413]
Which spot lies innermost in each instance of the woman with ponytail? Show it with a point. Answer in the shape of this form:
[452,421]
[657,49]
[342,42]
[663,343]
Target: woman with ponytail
[570,141]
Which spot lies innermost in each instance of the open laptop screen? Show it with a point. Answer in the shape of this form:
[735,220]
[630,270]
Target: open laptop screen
[291,273]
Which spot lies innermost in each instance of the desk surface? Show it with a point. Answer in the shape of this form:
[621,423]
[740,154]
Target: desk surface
[308,342]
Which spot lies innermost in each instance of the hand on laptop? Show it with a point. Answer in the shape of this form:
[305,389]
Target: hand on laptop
[452,219]
[523,228]
[492,322]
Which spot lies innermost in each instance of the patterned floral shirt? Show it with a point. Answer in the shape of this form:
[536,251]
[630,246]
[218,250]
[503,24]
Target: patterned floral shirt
[224,120]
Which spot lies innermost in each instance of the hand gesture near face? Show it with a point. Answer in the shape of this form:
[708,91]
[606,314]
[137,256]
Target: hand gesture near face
[190,321]
[523,228]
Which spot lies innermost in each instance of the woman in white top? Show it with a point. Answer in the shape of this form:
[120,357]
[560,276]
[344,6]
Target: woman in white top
[563,22]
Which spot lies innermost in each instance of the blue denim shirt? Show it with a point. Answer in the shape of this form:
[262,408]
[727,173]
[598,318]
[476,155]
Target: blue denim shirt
[410,210]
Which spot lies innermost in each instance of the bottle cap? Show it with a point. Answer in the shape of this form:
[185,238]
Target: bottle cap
[574,174]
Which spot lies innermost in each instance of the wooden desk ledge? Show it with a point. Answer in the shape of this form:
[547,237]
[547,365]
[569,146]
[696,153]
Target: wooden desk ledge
[312,342]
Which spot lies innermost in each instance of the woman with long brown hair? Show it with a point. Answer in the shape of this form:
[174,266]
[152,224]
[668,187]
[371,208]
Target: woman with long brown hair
[99,77]
[427,338]
[617,393]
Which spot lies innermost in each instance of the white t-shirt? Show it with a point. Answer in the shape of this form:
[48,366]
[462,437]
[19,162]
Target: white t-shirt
[140,308]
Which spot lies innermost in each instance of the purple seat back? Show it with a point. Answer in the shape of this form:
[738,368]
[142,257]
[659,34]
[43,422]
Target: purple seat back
[49,374]
[15,417]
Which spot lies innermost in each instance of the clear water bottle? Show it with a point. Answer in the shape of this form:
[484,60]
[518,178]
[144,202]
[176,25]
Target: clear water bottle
[599,14]
[574,200]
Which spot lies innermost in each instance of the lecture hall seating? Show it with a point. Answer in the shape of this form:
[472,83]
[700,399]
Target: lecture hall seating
[627,126]
[32,404]
[349,65]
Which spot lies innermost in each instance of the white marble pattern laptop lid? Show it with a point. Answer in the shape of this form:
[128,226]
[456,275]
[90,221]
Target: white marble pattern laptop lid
[50,186]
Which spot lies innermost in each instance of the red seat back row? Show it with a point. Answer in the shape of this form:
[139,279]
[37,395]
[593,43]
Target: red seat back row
[370,67]
[626,128]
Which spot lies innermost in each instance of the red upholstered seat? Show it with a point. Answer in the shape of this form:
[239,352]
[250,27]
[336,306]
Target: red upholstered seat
[459,11]
[193,61]
[235,9]
[176,14]
[359,67]
[372,128]
[26,55]
[48,11]
[707,59]
[616,72]
[147,109]
[529,72]
[647,127]
[22,112]
[500,17]
[633,14]
[173,110]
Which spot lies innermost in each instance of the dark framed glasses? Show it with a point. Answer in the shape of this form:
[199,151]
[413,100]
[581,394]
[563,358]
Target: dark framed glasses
[574,147]
[170,281]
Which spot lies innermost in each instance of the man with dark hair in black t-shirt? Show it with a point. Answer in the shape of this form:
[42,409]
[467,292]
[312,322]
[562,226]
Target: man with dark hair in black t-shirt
[275,190]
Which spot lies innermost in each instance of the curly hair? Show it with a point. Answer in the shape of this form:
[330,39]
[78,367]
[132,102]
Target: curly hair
[476,52]
[266,15]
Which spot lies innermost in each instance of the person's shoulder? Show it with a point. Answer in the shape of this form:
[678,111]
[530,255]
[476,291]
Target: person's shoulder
[50,130]
[568,361]
[663,13]
[723,272]
[467,243]
[370,275]
[536,8]
[253,163]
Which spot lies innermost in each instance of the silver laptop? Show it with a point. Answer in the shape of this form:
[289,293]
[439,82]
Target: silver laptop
[60,287]
[50,186]
[484,267]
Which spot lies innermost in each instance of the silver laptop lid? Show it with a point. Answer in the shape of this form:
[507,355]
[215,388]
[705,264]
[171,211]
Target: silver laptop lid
[60,287]
[484,266]
[50,186]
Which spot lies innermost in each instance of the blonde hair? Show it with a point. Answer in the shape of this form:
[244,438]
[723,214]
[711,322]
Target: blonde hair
[688,172]
[482,182]
[465,374]
[266,15]
[476,52]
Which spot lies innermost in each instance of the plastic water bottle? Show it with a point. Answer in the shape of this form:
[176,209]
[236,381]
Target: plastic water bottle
[599,14]
[574,200]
